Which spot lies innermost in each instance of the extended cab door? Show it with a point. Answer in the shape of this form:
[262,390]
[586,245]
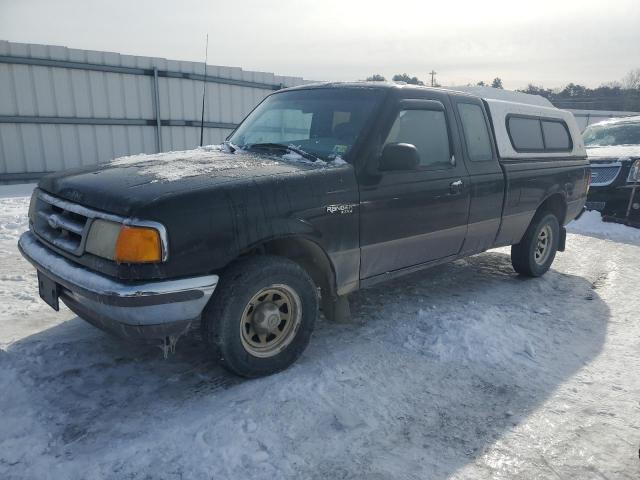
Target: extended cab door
[486,178]
[411,217]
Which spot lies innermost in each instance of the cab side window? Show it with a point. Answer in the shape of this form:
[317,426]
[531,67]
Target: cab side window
[475,131]
[427,131]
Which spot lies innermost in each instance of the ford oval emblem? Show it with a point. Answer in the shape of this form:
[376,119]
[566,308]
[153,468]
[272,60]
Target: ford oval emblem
[53,222]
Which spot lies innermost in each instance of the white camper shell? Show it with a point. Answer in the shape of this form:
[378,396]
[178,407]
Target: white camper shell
[523,130]
[505,104]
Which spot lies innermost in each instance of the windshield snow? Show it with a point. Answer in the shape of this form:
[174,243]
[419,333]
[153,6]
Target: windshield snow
[624,133]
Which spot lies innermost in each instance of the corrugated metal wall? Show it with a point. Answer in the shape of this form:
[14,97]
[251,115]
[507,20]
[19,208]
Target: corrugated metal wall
[62,107]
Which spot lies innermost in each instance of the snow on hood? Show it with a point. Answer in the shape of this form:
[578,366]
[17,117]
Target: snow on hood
[172,166]
[616,151]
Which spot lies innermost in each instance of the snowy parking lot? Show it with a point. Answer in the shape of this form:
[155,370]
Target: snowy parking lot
[464,371]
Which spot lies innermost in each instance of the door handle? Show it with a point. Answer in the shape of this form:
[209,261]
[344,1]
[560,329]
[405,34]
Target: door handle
[456,187]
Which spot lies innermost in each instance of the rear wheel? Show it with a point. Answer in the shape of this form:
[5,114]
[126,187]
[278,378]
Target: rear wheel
[261,317]
[534,255]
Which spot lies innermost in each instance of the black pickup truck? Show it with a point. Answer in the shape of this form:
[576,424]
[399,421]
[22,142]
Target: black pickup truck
[322,190]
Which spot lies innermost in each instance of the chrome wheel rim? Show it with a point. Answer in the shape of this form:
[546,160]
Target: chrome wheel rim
[270,321]
[543,245]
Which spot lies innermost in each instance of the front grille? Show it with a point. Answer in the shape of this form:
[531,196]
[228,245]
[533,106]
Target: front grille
[604,175]
[62,224]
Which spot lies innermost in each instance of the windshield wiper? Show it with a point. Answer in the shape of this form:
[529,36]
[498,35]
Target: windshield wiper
[282,147]
[230,146]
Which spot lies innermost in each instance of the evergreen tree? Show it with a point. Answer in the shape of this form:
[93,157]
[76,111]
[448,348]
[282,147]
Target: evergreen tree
[497,83]
[403,77]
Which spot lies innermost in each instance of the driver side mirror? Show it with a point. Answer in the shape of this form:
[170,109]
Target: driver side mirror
[399,156]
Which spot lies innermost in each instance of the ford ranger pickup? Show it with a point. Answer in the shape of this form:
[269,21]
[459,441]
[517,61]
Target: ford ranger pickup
[322,190]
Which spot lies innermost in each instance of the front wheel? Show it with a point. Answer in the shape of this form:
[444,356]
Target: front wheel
[260,319]
[536,251]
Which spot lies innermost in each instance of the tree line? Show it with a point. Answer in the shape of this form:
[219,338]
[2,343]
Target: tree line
[621,95]
[618,95]
[405,78]
[398,77]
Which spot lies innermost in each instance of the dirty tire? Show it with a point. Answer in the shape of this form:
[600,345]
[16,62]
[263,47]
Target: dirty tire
[526,256]
[239,289]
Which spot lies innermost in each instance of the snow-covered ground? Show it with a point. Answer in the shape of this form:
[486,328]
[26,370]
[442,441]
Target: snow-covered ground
[464,371]
[591,224]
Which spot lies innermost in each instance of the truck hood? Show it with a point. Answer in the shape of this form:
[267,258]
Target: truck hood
[613,152]
[125,184]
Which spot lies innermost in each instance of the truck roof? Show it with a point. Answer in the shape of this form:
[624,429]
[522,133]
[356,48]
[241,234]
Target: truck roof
[475,91]
[378,85]
[501,94]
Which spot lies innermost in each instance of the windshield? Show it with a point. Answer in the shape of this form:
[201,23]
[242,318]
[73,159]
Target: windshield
[627,133]
[323,122]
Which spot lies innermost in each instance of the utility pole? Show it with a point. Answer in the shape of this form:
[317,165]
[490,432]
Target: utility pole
[433,75]
[204,89]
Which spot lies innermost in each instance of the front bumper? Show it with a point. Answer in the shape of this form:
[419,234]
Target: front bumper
[141,311]
[612,200]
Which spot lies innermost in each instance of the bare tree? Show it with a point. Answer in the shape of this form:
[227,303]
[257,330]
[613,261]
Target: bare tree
[631,80]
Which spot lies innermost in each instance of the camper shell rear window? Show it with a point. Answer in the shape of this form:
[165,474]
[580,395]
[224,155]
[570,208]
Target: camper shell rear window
[538,134]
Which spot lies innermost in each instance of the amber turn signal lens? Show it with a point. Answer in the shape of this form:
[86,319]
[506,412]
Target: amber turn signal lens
[138,245]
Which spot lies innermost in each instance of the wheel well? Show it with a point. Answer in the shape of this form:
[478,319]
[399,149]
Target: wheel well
[555,204]
[308,255]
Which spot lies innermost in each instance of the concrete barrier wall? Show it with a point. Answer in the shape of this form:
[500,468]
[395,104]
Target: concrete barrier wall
[63,107]
[589,117]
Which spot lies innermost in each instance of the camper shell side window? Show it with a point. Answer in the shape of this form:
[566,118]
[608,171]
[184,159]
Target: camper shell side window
[538,134]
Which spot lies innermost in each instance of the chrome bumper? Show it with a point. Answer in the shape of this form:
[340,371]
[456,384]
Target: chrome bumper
[138,310]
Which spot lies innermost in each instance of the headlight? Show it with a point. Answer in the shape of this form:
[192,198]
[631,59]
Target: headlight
[634,173]
[125,243]
[102,238]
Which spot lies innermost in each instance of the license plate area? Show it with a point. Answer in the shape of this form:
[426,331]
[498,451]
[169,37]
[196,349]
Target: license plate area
[599,206]
[49,291]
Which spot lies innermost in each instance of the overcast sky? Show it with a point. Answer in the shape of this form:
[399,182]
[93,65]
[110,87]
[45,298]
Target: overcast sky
[548,43]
